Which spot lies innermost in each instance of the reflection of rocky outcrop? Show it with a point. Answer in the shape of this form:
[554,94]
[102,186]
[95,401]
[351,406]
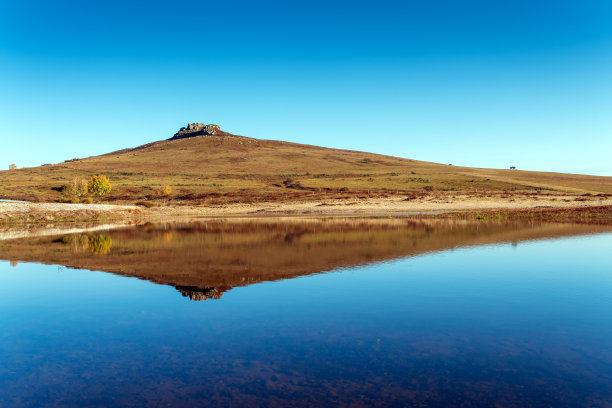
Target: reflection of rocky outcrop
[205,259]
[195,293]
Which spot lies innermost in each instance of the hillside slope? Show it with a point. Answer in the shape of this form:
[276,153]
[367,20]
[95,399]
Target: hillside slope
[227,168]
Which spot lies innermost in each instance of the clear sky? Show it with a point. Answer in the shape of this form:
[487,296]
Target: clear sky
[480,83]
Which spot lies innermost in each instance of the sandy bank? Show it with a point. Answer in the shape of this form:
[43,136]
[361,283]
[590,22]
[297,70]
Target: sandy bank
[20,213]
[17,207]
[392,205]
[55,212]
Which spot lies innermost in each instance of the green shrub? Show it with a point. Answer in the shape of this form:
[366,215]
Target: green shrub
[99,185]
[417,180]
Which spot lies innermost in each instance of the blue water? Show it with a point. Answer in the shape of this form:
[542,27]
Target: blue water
[508,326]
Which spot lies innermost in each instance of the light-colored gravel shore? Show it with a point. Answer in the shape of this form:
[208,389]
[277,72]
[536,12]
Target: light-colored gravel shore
[17,207]
[12,213]
[393,205]
[368,206]
[50,230]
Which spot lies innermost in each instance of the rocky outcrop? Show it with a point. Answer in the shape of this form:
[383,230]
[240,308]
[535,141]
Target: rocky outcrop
[199,129]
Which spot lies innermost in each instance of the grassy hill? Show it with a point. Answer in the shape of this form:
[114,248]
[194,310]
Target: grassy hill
[224,168]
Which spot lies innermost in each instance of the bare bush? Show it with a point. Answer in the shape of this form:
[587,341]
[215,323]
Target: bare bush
[76,187]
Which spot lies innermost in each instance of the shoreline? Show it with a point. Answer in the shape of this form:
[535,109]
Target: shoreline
[16,213]
[543,207]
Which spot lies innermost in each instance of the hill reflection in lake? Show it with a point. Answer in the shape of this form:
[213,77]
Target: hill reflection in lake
[205,259]
[414,314]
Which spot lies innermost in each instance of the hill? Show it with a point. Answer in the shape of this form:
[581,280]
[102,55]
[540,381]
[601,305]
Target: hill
[203,164]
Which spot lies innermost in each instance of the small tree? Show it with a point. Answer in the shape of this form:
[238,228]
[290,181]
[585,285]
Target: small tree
[99,185]
[76,187]
[165,191]
[13,166]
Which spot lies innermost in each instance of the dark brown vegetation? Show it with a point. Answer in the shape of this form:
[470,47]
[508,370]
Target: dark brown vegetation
[601,215]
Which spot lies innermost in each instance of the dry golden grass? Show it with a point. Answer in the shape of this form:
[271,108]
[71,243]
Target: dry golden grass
[226,169]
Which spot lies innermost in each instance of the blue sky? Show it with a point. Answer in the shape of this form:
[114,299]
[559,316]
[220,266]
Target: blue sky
[478,83]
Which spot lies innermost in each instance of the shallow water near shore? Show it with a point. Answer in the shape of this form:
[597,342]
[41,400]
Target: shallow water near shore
[309,313]
[2,200]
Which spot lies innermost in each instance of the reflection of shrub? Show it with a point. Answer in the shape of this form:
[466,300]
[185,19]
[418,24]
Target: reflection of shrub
[77,243]
[100,244]
[99,185]
[76,187]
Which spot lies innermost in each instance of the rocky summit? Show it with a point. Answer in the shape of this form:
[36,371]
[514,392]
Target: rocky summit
[199,129]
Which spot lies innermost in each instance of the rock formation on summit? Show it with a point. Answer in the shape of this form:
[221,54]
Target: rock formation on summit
[199,129]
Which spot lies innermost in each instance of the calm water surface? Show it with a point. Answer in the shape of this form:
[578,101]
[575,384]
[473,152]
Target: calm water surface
[518,316]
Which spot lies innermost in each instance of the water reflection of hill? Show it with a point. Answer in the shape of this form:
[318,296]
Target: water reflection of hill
[203,260]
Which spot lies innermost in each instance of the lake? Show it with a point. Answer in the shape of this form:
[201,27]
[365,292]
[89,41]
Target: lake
[309,312]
